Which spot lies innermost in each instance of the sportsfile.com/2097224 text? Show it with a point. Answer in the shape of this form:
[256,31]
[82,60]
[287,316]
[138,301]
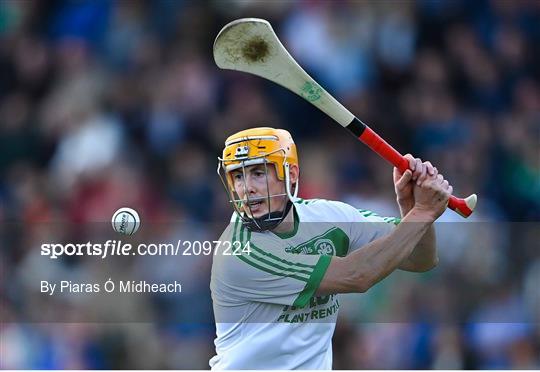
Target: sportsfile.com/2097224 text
[117,248]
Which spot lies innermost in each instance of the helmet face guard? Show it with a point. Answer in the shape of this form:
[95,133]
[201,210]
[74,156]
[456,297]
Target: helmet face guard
[266,146]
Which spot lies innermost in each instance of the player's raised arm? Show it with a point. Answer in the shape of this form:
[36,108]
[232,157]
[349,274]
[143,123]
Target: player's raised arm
[365,267]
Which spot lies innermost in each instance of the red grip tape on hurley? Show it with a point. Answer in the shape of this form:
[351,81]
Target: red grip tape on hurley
[381,147]
[387,152]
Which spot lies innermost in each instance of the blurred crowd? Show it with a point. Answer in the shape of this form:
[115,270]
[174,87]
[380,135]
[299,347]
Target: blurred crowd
[105,104]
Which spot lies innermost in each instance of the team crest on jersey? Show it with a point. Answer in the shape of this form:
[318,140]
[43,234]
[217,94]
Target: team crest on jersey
[324,244]
[325,247]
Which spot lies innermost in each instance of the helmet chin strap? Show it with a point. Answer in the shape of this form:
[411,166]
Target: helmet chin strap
[271,220]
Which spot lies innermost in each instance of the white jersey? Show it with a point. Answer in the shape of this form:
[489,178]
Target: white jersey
[267,316]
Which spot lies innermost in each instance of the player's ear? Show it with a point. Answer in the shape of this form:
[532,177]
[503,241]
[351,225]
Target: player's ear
[294,173]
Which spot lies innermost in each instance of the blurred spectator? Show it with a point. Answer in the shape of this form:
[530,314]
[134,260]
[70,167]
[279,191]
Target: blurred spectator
[107,103]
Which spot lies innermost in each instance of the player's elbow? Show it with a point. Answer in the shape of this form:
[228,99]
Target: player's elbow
[362,287]
[354,284]
[347,276]
[362,277]
[433,263]
[427,266]
[362,282]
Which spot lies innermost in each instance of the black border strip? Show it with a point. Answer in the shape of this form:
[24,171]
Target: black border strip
[356,127]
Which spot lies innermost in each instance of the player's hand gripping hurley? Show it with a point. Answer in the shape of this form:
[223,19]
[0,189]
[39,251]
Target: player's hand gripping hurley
[251,45]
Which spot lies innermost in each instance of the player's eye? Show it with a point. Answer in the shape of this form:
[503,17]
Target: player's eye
[259,173]
[238,176]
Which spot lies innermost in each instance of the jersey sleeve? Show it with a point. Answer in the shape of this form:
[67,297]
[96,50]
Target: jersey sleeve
[264,274]
[365,226]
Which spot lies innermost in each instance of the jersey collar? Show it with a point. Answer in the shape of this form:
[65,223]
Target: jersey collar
[290,234]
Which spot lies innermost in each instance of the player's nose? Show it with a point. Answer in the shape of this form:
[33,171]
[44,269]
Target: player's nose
[246,186]
[250,186]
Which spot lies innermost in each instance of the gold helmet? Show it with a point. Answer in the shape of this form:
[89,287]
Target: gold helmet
[262,145]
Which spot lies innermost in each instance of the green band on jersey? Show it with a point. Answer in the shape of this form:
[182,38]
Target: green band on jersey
[368,213]
[267,262]
[290,264]
[257,265]
[279,269]
[284,268]
[313,282]
[394,220]
[281,260]
[270,259]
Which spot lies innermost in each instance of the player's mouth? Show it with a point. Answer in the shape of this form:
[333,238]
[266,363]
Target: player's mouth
[255,206]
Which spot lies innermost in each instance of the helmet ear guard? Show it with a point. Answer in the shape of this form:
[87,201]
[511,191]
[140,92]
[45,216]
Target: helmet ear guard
[292,197]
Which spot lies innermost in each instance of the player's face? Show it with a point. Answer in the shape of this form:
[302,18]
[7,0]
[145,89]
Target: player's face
[254,188]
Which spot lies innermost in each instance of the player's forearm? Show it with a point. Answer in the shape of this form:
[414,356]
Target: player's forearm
[424,255]
[365,267]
